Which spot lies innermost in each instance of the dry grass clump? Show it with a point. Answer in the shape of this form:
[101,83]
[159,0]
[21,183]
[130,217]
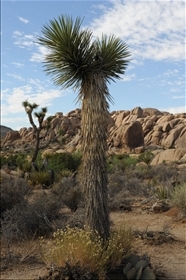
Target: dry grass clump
[122,181]
[82,247]
[69,191]
[178,198]
[163,172]
[13,191]
[28,219]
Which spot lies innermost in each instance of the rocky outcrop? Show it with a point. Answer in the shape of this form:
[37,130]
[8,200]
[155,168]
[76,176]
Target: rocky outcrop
[11,136]
[4,130]
[128,131]
[170,155]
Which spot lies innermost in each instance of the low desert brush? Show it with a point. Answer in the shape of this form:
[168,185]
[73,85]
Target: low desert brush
[178,198]
[84,248]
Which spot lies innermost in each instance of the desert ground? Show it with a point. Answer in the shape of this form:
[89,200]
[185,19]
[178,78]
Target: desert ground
[161,235]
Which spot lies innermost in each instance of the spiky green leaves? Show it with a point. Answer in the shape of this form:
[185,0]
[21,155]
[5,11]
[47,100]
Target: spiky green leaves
[74,57]
[114,54]
[70,51]
[28,106]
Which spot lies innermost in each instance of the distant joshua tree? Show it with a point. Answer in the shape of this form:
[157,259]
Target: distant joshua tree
[29,108]
[76,59]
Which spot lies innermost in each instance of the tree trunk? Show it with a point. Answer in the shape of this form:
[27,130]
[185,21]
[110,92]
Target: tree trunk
[36,151]
[94,147]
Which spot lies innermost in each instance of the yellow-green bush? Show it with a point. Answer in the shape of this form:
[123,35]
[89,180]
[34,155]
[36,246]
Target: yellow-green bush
[40,178]
[84,248]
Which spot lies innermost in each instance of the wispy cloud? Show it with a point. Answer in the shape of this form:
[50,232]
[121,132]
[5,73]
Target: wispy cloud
[23,20]
[178,97]
[40,54]
[152,29]
[127,78]
[23,40]
[17,33]
[35,91]
[171,72]
[17,64]
[174,110]
[17,77]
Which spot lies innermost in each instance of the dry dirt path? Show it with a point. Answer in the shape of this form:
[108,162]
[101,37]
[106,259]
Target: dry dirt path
[168,257]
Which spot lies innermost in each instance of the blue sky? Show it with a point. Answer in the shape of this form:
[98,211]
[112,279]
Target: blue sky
[153,30]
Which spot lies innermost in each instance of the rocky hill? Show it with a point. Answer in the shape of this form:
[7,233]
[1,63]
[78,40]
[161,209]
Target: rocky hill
[128,131]
[4,130]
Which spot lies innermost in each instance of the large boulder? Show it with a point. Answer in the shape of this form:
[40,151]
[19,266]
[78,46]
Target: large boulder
[127,136]
[169,155]
[180,142]
[173,135]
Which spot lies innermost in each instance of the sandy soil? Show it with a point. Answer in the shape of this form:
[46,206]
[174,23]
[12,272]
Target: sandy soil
[167,254]
[169,257]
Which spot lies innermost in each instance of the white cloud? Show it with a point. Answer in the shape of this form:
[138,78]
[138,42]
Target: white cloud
[15,121]
[127,78]
[178,97]
[39,56]
[22,40]
[152,29]
[17,64]
[33,92]
[23,20]
[17,33]
[170,72]
[17,77]
[175,110]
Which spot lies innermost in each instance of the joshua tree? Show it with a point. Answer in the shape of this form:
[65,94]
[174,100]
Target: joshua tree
[76,59]
[29,108]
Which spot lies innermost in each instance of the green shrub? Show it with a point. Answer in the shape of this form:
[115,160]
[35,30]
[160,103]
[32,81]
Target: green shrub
[9,160]
[20,160]
[84,248]
[130,161]
[64,161]
[13,191]
[121,156]
[120,162]
[178,198]
[16,160]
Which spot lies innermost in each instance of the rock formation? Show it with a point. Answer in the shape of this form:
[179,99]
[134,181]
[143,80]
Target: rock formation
[128,131]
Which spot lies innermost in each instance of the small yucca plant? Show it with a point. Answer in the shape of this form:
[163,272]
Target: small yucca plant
[146,157]
[26,166]
[162,192]
[40,178]
[65,173]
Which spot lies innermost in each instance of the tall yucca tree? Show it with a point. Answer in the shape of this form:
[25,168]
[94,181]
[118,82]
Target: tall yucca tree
[76,59]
